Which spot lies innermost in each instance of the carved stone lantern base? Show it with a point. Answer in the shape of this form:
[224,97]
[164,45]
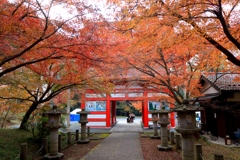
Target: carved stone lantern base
[58,156]
[155,137]
[164,148]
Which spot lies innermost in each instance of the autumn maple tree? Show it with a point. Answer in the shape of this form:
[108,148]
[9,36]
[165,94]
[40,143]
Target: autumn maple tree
[40,83]
[29,34]
[168,59]
[42,57]
[215,21]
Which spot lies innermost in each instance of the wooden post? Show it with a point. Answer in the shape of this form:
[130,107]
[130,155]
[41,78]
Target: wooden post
[45,146]
[172,138]
[178,141]
[168,134]
[77,135]
[218,157]
[23,155]
[69,137]
[59,142]
[198,152]
[88,131]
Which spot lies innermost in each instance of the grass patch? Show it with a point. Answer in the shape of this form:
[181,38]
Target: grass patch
[146,134]
[103,135]
[209,149]
[10,141]
[93,136]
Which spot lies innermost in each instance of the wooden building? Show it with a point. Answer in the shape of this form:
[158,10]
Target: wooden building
[221,103]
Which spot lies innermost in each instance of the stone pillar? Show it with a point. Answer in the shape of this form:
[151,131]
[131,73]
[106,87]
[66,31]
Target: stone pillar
[53,125]
[178,142]
[77,135]
[53,149]
[88,131]
[155,121]
[187,127]
[45,146]
[198,152]
[59,142]
[164,121]
[172,138]
[83,120]
[188,146]
[23,155]
[69,135]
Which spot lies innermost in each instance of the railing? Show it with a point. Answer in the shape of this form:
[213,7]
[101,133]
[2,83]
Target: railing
[64,141]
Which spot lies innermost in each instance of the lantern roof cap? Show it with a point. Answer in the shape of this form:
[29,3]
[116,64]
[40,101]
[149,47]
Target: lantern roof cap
[186,106]
[83,111]
[54,110]
[164,110]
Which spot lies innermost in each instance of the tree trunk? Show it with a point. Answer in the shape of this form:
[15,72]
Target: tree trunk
[27,115]
[1,117]
[5,118]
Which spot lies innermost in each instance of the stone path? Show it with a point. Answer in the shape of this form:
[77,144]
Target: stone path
[122,144]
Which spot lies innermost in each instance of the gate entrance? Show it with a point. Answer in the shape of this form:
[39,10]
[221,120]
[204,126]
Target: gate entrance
[102,107]
[128,110]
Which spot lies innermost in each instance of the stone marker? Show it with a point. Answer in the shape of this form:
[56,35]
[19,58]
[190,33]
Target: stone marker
[155,121]
[187,127]
[83,120]
[53,125]
[164,121]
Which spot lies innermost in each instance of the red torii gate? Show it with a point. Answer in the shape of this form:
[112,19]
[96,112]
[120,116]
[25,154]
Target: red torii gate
[102,107]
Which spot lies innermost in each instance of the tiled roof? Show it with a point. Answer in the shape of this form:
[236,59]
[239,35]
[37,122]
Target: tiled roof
[223,81]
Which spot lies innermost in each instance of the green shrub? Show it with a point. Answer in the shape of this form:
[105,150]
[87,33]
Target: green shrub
[38,129]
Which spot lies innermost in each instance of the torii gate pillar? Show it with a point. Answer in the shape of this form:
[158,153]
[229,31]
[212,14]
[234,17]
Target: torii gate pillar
[145,110]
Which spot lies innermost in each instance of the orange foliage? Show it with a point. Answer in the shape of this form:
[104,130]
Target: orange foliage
[29,35]
[215,22]
[63,53]
[137,105]
[165,48]
[165,58]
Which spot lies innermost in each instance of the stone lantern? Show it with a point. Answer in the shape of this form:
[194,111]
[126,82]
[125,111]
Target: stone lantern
[155,120]
[83,120]
[187,127]
[164,122]
[53,125]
